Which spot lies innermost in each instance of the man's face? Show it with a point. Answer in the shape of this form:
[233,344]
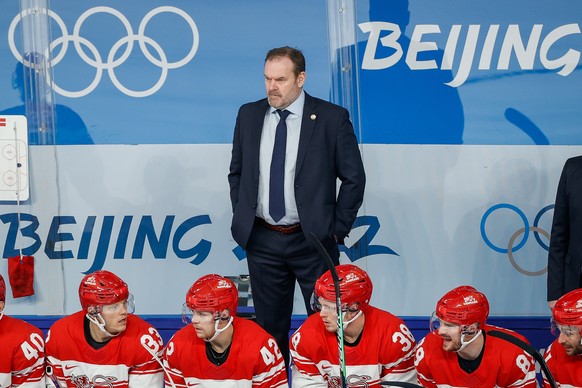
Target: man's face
[570,339]
[328,315]
[203,322]
[451,335]
[115,316]
[281,84]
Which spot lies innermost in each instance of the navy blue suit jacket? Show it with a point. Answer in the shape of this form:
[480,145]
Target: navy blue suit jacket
[328,150]
[565,257]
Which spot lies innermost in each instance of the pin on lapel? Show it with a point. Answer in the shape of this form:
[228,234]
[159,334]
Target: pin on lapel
[313,117]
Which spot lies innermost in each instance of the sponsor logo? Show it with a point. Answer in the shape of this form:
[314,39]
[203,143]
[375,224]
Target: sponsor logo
[223,284]
[83,381]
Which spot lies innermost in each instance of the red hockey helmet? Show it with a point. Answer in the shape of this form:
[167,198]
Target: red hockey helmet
[355,287]
[2,289]
[213,293]
[568,309]
[464,306]
[102,288]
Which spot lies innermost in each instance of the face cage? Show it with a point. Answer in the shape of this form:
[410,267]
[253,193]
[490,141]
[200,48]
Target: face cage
[129,305]
[567,330]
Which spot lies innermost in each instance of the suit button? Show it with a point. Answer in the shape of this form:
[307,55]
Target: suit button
[255,206]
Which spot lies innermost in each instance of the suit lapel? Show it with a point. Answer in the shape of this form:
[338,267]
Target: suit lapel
[307,130]
[256,133]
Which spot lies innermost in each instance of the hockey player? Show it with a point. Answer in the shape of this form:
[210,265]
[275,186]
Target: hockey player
[377,345]
[218,349]
[458,352]
[21,350]
[564,355]
[104,345]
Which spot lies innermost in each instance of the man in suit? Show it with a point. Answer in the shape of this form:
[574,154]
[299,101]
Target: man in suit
[278,203]
[565,256]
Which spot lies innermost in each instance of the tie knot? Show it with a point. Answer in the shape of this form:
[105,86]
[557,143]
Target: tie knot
[283,113]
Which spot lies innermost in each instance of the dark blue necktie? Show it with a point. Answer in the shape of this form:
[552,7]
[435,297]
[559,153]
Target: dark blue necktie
[277,180]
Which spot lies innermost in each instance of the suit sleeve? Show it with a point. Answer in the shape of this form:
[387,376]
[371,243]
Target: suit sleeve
[350,171]
[559,240]
[235,164]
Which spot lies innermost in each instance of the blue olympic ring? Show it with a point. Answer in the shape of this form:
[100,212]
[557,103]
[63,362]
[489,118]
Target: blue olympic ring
[525,224]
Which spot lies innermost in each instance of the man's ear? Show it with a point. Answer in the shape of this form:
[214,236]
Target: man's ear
[471,329]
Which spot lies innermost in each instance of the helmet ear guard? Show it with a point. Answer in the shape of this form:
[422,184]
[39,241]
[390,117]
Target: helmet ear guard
[354,307]
[224,315]
[470,329]
[94,310]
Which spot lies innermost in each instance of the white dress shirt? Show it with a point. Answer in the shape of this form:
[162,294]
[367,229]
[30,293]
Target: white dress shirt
[266,153]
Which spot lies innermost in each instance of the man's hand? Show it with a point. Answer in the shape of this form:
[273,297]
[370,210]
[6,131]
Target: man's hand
[551,304]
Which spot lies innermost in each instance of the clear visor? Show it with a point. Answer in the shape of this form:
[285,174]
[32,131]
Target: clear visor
[567,330]
[128,305]
[321,304]
[188,314]
[315,303]
[436,323]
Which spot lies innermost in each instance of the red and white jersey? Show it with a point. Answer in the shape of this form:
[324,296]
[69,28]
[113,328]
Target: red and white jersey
[384,352]
[503,364]
[254,360]
[123,362]
[21,354]
[567,370]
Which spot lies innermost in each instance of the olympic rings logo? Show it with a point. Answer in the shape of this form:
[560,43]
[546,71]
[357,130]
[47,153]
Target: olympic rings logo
[112,61]
[525,231]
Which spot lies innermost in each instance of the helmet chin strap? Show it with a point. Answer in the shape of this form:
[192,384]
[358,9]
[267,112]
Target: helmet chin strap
[346,323]
[1,314]
[100,322]
[217,331]
[465,344]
